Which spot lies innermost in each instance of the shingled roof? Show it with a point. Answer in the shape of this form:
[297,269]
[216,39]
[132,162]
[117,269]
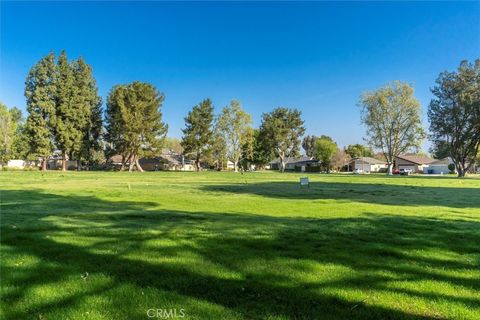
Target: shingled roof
[369,160]
[416,159]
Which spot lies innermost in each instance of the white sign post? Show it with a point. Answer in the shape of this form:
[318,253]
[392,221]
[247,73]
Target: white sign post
[304,182]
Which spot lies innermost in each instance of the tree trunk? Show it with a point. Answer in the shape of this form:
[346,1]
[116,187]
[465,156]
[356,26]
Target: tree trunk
[64,162]
[235,168]
[390,169]
[131,163]
[79,165]
[197,163]
[137,163]
[124,161]
[282,165]
[460,169]
[44,163]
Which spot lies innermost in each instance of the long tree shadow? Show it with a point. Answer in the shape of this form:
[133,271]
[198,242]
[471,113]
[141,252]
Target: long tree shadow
[389,194]
[32,221]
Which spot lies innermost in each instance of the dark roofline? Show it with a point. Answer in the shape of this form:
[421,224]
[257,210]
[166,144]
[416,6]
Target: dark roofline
[416,162]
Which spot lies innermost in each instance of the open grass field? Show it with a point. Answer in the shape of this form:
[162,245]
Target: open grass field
[229,246]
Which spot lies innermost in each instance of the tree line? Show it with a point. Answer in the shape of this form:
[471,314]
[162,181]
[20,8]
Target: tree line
[65,114]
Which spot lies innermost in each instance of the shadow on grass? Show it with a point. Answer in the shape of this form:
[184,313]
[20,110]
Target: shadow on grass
[389,194]
[371,245]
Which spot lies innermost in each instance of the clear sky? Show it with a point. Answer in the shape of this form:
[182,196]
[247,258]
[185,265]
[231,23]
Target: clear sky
[315,56]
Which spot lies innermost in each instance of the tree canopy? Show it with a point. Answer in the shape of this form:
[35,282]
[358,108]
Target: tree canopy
[64,109]
[280,132]
[325,150]
[40,92]
[358,150]
[198,132]
[309,144]
[10,124]
[234,124]
[454,115]
[392,117]
[134,122]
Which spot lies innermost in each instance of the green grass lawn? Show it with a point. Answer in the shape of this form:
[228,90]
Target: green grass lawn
[229,246]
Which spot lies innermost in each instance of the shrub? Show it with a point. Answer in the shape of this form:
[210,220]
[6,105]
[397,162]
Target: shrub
[451,167]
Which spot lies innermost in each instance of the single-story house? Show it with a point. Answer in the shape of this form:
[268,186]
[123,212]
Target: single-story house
[55,162]
[22,164]
[168,160]
[115,160]
[368,164]
[230,165]
[292,163]
[176,162]
[439,166]
[416,163]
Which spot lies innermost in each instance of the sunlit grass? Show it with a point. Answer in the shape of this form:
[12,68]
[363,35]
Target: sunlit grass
[223,245]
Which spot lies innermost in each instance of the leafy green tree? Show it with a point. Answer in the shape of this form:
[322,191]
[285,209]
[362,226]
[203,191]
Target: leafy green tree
[392,117]
[308,144]
[40,92]
[358,150]
[234,123]
[21,144]
[325,150]
[218,153]
[454,115]
[440,150]
[198,133]
[281,130]
[134,121]
[173,144]
[10,120]
[256,150]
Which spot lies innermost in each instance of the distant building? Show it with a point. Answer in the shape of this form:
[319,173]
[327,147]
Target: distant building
[439,166]
[168,160]
[368,164]
[416,163]
[294,164]
[55,163]
[22,164]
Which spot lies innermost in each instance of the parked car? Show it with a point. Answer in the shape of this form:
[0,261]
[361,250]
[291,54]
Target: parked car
[396,171]
[405,172]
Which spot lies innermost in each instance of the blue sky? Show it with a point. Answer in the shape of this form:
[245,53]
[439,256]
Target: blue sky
[316,56]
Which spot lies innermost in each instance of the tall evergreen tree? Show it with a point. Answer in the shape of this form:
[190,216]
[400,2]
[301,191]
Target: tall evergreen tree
[71,112]
[281,130]
[40,91]
[134,121]
[198,133]
[88,100]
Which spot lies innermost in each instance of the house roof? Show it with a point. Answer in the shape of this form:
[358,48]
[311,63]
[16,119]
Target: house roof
[416,159]
[292,160]
[369,160]
[115,159]
[444,161]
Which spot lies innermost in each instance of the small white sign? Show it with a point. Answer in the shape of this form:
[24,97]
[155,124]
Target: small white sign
[304,181]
